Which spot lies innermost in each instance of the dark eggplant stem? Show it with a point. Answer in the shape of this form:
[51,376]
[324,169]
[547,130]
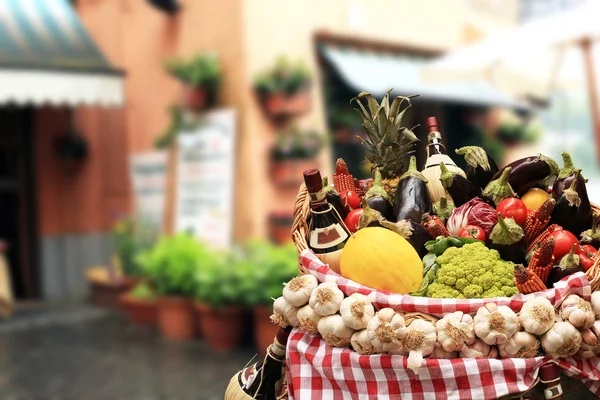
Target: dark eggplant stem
[377,188]
[475,156]
[447,176]
[571,193]
[413,171]
[500,189]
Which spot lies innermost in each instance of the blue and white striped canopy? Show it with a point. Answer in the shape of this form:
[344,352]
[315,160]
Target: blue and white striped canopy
[46,56]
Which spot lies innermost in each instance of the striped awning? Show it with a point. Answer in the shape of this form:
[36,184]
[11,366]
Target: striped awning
[47,57]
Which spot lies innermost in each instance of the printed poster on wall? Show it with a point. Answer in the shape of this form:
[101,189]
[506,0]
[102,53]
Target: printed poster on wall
[149,179]
[205,177]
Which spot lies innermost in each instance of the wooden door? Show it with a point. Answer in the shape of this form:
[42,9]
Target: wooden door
[17,210]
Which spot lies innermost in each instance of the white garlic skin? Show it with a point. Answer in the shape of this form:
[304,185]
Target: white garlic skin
[308,319]
[297,291]
[596,303]
[590,341]
[479,349]
[440,353]
[426,331]
[520,345]
[495,324]
[383,329]
[284,314]
[537,316]
[357,311]
[562,340]
[334,331]
[454,331]
[577,312]
[361,344]
[326,299]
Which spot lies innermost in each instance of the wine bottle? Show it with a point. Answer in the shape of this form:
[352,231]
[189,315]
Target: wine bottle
[327,231]
[436,154]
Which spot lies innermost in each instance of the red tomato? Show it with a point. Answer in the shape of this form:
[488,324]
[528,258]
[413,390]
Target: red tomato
[350,200]
[590,250]
[352,219]
[513,208]
[585,260]
[564,243]
[472,231]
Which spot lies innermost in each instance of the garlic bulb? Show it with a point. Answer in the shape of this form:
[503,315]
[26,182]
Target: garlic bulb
[361,344]
[417,340]
[479,349]
[284,314]
[308,319]
[495,324]
[334,331]
[537,315]
[454,331]
[439,352]
[577,311]
[596,303]
[590,341]
[520,345]
[298,290]
[562,340]
[326,299]
[383,330]
[357,311]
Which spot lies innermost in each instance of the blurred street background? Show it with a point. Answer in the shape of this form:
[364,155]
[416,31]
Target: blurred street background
[151,152]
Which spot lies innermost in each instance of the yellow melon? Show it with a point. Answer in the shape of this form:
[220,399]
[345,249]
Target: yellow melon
[381,259]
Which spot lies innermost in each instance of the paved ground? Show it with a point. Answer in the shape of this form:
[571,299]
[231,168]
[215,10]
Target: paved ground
[81,353]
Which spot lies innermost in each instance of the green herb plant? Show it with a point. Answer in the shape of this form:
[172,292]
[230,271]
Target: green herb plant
[172,264]
[285,77]
[298,144]
[143,291]
[201,70]
[129,237]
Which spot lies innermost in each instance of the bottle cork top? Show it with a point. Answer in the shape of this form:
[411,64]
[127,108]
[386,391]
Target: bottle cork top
[313,181]
[432,124]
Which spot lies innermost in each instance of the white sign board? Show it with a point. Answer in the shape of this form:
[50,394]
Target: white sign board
[205,178]
[149,179]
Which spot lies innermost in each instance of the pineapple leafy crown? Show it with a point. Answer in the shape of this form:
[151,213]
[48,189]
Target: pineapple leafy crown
[388,143]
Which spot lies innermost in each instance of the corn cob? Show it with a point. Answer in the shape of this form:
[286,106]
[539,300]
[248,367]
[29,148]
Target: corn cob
[342,180]
[526,281]
[538,220]
[542,260]
[434,226]
[542,236]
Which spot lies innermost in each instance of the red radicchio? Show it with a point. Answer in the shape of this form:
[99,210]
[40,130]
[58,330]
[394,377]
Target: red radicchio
[474,212]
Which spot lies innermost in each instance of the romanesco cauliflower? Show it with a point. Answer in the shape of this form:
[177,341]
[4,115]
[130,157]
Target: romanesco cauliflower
[472,272]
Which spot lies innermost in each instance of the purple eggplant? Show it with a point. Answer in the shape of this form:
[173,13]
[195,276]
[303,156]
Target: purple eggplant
[528,171]
[573,210]
[481,167]
[568,265]
[458,187]
[507,238]
[378,199]
[412,197]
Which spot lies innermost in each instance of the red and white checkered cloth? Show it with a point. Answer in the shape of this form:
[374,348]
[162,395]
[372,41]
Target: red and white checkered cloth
[316,370]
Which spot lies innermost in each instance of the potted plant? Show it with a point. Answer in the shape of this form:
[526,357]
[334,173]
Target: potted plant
[218,300]
[293,152]
[170,267]
[284,89]
[140,304]
[201,77]
[270,265]
[344,123]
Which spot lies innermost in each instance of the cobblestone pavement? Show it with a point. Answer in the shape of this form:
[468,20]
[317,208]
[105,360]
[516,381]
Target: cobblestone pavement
[81,353]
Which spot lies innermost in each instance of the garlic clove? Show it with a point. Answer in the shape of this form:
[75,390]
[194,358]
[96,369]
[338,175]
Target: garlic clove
[308,319]
[284,314]
[361,344]
[297,291]
[326,299]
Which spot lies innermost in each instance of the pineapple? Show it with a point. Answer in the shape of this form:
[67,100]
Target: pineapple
[388,143]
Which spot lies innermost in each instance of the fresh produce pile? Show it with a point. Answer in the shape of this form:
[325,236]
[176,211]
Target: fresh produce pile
[480,233]
[492,332]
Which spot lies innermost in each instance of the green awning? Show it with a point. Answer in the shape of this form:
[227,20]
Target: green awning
[46,56]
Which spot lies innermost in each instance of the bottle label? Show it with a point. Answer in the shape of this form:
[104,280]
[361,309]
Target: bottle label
[331,236]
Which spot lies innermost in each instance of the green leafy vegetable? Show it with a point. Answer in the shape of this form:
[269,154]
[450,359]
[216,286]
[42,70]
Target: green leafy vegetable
[439,246]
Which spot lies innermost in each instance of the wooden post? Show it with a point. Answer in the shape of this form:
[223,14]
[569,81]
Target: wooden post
[590,73]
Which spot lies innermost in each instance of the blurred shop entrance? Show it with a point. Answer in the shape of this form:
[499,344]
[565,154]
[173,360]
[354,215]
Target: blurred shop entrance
[17,211]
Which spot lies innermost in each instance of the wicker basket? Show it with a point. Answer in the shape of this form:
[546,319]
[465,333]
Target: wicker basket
[300,232]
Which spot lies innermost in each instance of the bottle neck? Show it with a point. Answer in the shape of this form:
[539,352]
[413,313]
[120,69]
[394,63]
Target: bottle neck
[434,144]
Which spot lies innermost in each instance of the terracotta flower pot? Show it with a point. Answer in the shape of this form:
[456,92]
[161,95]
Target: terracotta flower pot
[264,330]
[139,311]
[280,226]
[222,328]
[106,294]
[298,103]
[176,318]
[275,104]
[288,173]
[279,104]
[195,97]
